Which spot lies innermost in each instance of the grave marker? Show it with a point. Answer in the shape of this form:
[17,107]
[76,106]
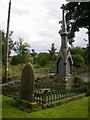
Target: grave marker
[27,83]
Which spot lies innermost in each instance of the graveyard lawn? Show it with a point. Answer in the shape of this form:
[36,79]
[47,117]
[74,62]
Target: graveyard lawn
[74,109]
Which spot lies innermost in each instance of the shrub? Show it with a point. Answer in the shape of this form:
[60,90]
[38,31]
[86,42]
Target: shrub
[78,60]
[19,59]
[78,82]
[40,56]
[88,91]
[43,61]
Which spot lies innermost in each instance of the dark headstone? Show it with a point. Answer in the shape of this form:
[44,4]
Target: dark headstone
[27,83]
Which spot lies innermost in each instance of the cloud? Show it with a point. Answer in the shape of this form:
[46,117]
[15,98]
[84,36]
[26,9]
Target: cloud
[79,38]
[36,21]
[21,12]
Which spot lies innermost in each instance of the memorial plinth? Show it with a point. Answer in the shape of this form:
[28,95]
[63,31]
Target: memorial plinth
[63,79]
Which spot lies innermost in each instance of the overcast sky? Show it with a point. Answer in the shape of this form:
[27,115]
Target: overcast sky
[37,22]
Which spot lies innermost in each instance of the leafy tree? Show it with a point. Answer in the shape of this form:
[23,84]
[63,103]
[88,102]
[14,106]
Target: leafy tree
[43,61]
[33,53]
[77,16]
[46,55]
[81,51]
[77,50]
[21,47]
[38,57]
[85,55]
[78,60]
[2,43]
[78,82]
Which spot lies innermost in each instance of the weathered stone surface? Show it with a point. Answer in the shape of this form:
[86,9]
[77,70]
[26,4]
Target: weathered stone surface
[61,83]
[27,83]
[64,61]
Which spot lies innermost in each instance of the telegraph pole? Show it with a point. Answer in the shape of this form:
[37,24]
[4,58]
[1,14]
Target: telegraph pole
[7,34]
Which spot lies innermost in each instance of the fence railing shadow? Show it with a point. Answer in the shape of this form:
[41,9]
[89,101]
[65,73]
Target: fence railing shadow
[45,97]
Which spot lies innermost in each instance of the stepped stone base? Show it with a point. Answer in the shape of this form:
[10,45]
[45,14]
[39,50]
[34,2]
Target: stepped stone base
[27,104]
[61,83]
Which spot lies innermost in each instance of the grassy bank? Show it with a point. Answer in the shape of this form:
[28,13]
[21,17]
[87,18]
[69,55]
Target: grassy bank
[16,70]
[74,109]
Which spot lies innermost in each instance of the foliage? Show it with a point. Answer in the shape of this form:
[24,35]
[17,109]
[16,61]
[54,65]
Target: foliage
[53,49]
[78,70]
[52,52]
[11,43]
[43,61]
[81,51]
[40,55]
[15,60]
[2,43]
[21,47]
[40,58]
[88,89]
[78,82]
[14,71]
[77,16]
[33,53]
[76,50]
[78,60]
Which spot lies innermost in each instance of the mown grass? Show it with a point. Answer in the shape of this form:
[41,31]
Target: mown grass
[74,109]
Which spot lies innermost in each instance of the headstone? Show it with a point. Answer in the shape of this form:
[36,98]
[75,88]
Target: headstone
[64,61]
[27,83]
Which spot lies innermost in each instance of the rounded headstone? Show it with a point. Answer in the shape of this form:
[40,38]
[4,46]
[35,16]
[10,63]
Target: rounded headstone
[27,83]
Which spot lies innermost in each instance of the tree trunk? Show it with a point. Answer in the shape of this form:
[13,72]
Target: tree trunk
[89,36]
[89,49]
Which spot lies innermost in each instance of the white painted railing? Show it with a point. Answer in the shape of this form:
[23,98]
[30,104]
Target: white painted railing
[43,71]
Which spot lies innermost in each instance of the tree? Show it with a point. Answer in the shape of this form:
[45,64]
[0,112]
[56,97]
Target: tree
[33,53]
[18,59]
[43,61]
[11,43]
[52,51]
[77,16]
[22,48]
[23,51]
[3,42]
[81,51]
[78,82]
[38,57]
[2,45]
[78,60]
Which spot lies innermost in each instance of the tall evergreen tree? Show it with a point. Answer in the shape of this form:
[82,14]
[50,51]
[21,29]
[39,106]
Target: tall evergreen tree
[52,52]
[53,49]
